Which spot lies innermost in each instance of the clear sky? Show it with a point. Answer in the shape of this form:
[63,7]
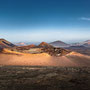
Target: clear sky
[45,20]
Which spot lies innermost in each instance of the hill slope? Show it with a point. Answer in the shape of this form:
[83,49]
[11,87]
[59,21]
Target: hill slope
[44,59]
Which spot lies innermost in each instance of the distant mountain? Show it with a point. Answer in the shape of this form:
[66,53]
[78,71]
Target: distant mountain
[6,44]
[21,44]
[85,43]
[59,44]
[26,43]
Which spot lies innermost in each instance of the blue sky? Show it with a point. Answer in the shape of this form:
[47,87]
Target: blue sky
[45,20]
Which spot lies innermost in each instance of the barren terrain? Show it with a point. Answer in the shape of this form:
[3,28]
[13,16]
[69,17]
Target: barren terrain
[44,78]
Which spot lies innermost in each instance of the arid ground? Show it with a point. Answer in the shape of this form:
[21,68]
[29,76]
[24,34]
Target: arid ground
[44,59]
[44,78]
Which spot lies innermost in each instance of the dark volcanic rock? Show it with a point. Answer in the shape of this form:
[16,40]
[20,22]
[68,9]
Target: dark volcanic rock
[56,51]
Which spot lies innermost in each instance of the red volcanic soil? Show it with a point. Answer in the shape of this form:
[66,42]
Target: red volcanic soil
[43,59]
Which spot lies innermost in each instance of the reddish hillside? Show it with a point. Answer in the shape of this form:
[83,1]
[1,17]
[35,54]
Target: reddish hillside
[44,44]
